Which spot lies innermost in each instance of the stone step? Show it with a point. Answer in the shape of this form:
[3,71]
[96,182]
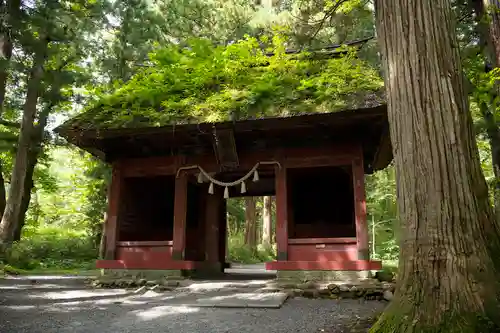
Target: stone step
[367,289]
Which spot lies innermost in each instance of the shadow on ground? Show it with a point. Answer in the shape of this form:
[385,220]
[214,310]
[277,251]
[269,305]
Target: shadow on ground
[56,304]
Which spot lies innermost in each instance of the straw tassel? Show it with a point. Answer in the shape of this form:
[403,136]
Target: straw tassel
[211,188]
[243,187]
[226,193]
[200,178]
[255,176]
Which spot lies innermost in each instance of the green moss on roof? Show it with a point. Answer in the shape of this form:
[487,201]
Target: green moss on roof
[204,83]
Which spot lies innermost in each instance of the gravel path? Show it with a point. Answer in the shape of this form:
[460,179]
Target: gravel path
[68,306]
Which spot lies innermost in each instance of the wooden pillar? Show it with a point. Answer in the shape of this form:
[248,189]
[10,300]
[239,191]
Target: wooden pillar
[212,226]
[111,223]
[201,237]
[360,209]
[223,245]
[281,214]
[180,214]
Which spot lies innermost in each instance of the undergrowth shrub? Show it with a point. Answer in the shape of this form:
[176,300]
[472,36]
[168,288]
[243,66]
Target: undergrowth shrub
[52,247]
[239,252]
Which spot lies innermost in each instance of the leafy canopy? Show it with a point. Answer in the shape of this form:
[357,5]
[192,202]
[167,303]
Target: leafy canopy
[206,83]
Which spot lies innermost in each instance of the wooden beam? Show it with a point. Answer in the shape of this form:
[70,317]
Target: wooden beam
[145,264]
[360,208]
[360,265]
[225,148]
[281,213]
[111,223]
[342,240]
[149,166]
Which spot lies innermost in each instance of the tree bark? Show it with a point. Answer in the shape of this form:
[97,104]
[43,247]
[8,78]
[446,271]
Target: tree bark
[250,229]
[10,9]
[449,263]
[18,179]
[266,221]
[492,8]
[493,132]
[33,154]
[102,241]
[488,29]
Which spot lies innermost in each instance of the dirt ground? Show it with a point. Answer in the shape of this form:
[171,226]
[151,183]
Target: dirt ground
[62,304]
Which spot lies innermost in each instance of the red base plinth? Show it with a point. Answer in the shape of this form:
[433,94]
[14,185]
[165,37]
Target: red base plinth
[355,265]
[140,264]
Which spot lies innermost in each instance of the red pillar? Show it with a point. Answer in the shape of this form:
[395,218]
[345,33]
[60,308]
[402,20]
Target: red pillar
[111,223]
[180,214]
[281,214]
[360,209]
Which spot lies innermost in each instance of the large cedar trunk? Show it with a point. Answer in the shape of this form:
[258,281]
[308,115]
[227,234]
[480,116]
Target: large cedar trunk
[12,9]
[488,28]
[18,179]
[250,223]
[33,154]
[493,132]
[25,202]
[266,221]
[493,11]
[493,19]
[449,263]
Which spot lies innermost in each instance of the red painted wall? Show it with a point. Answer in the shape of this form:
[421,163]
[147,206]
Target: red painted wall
[322,252]
[147,253]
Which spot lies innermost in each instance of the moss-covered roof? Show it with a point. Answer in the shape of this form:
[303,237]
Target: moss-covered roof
[212,84]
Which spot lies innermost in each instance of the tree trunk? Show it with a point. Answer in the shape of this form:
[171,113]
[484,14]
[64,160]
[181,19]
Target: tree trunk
[12,10]
[102,242]
[493,132]
[493,11]
[449,263]
[3,195]
[488,29]
[18,179]
[250,223]
[266,221]
[493,38]
[34,153]
[25,202]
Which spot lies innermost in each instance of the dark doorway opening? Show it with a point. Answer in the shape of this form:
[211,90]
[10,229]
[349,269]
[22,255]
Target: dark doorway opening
[322,202]
[146,211]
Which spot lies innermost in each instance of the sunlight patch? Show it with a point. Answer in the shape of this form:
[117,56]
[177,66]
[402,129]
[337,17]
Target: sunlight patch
[20,307]
[222,285]
[160,311]
[79,294]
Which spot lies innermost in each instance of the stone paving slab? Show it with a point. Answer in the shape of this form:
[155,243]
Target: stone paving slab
[245,300]
[217,299]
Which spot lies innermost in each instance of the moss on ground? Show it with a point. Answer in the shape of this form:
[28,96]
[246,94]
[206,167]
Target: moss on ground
[396,320]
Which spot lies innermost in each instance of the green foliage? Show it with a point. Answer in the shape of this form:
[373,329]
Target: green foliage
[207,83]
[239,252]
[382,213]
[52,247]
